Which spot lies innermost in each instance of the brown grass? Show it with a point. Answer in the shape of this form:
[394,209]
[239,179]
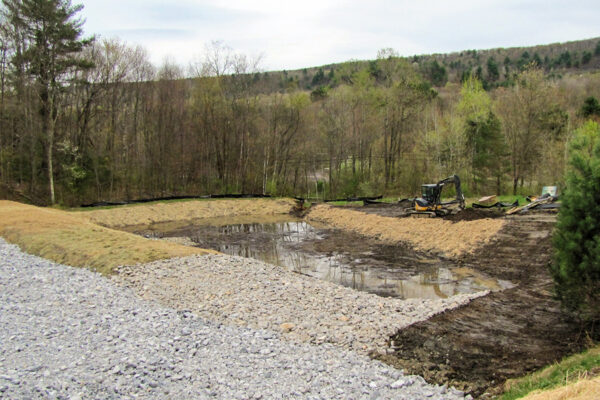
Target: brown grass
[69,239]
[431,234]
[147,214]
[585,389]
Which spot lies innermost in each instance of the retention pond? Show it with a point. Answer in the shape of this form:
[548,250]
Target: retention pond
[340,257]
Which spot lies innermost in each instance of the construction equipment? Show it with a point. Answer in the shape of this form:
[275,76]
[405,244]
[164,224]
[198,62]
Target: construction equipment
[431,203]
[545,201]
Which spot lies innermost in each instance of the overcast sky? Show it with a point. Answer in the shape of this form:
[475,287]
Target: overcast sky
[297,34]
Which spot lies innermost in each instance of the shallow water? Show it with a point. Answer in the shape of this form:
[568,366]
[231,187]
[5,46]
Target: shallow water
[340,257]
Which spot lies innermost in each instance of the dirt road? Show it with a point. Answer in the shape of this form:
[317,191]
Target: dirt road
[502,335]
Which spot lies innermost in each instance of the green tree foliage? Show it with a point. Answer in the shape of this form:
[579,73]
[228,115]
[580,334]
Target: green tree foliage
[436,73]
[590,107]
[597,49]
[576,270]
[523,61]
[565,59]
[319,78]
[484,141]
[586,57]
[49,48]
[319,93]
[492,70]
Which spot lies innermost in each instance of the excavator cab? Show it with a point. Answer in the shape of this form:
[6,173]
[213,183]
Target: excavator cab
[431,204]
[430,194]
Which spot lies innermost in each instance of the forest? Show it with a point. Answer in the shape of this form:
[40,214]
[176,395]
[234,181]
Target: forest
[86,119]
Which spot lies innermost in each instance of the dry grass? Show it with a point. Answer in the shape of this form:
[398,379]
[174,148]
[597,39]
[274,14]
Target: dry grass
[585,389]
[432,234]
[69,239]
[147,214]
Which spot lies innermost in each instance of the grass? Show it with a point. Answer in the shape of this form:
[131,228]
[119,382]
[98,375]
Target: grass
[345,203]
[170,211]
[511,199]
[69,239]
[84,209]
[567,371]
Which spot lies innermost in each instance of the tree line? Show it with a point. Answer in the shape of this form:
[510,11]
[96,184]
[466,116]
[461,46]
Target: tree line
[87,119]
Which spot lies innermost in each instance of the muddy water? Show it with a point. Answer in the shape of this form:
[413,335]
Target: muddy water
[343,258]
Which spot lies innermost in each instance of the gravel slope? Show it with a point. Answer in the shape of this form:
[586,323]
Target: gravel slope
[70,333]
[250,293]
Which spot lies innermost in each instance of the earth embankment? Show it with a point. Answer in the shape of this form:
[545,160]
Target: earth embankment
[146,214]
[426,234]
[69,239]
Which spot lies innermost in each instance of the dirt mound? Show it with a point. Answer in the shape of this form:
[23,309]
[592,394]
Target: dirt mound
[432,234]
[186,210]
[472,214]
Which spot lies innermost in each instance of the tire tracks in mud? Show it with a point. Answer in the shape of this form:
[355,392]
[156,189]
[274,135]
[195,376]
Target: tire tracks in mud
[500,336]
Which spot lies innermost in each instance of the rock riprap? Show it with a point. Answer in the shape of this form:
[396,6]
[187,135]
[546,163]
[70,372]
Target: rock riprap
[247,292]
[70,333]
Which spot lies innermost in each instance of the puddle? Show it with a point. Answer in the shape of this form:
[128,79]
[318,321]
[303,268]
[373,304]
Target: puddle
[340,257]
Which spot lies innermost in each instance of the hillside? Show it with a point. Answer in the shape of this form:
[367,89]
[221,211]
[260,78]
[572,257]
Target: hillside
[495,67]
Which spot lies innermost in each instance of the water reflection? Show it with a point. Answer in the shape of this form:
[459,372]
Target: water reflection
[340,257]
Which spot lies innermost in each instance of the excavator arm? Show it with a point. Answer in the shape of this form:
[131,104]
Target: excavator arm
[460,198]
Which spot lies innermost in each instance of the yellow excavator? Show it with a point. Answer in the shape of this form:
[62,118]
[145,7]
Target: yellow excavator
[430,204]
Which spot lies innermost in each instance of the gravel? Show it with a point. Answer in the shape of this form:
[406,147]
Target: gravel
[71,333]
[247,292]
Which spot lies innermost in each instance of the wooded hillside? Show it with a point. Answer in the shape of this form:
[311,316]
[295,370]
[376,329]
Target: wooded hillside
[84,120]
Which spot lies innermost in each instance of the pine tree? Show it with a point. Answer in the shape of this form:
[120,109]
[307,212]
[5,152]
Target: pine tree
[576,270]
[51,45]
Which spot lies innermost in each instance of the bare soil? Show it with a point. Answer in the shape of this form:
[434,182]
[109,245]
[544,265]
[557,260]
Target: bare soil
[452,239]
[500,336]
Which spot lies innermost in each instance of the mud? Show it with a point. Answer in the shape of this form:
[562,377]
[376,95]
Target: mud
[500,336]
[341,257]
[398,210]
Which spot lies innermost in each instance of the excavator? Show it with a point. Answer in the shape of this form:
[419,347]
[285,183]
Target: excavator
[430,204]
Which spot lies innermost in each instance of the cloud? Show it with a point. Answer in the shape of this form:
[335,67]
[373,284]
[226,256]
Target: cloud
[318,32]
[144,34]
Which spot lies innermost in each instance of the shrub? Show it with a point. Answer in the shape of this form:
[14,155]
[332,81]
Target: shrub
[576,270]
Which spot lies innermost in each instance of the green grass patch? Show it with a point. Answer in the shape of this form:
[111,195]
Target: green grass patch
[509,198]
[566,371]
[345,203]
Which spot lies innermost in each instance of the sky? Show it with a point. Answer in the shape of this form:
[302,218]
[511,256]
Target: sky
[297,34]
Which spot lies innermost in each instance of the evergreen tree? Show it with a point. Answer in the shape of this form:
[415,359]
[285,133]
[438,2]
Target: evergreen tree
[586,57]
[319,78]
[576,270]
[492,70]
[51,44]
[436,73]
[591,106]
